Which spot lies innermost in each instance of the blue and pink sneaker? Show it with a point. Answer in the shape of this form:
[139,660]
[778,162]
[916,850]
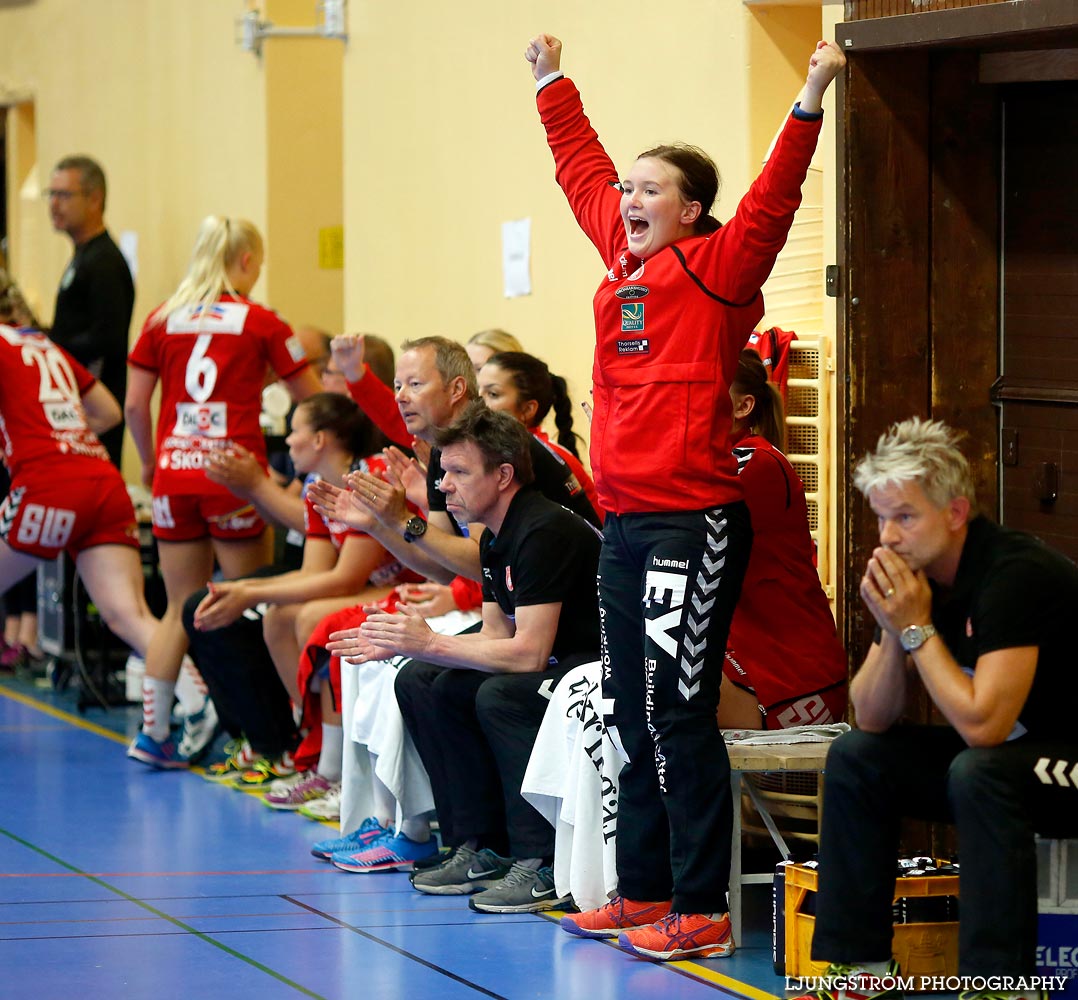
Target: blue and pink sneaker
[369,832]
[164,756]
[391,854]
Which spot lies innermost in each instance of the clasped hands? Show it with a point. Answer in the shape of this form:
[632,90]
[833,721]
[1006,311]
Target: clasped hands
[896,595]
[383,634]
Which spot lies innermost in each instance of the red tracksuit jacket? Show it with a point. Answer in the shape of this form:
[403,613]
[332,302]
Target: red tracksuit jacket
[669,329]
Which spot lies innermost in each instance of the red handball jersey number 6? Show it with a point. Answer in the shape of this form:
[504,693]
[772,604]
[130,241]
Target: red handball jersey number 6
[200,378]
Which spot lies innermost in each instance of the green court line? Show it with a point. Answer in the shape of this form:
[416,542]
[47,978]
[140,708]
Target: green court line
[686,968]
[163,916]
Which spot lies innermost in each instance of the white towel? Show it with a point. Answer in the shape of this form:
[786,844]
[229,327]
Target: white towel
[795,734]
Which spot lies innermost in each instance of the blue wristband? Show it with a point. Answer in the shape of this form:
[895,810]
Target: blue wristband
[806,116]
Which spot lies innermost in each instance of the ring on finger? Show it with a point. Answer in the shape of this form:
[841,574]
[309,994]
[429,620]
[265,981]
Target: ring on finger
[890,592]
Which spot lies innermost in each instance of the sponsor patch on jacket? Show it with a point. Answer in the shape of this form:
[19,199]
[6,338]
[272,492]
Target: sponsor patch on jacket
[632,292]
[632,316]
[639,346]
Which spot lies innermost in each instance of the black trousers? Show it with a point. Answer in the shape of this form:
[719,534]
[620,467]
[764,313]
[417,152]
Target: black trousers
[997,801]
[474,732]
[243,681]
[668,584]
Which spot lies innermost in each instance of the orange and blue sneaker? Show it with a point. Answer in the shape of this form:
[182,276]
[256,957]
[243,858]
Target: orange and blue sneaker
[681,935]
[610,919]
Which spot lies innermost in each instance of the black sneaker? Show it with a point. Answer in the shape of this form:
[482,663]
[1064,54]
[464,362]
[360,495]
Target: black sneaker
[523,890]
[464,873]
[434,861]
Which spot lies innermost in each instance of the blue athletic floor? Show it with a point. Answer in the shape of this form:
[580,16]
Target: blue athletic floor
[120,882]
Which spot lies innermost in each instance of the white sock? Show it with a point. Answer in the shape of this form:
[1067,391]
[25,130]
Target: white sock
[191,690]
[157,698]
[416,828]
[331,760]
[385,804]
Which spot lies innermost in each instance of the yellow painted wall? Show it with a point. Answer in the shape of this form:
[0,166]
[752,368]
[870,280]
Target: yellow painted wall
[160,94]
[304,167]
[443,144]
[779,44]
[435,125]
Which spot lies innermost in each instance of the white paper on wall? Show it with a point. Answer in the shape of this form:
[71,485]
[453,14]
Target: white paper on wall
[516,257]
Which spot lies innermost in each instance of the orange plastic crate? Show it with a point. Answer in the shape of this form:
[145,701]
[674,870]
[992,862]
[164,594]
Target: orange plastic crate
[920,949]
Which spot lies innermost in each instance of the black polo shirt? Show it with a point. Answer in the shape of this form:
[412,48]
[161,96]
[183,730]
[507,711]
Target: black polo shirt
[545,554]
[92,320]
[553,478]
[1012,590]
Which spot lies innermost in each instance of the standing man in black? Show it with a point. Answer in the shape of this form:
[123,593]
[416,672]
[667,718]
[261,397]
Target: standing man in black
[92,319]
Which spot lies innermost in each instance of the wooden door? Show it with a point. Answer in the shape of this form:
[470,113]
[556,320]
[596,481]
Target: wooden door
[1038,386]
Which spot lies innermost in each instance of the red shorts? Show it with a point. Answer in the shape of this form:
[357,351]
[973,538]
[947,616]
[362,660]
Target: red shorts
[44,517]
[185,517]
[309,660]
[820,708]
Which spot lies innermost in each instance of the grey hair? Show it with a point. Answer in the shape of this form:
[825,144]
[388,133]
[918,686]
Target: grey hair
[918,451]
[451,361]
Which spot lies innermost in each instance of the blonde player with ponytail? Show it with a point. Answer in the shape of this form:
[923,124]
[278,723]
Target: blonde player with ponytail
[209,346]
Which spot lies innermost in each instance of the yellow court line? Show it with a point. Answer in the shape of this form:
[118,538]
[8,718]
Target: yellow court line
[728,982]
[693,968]
[58,713]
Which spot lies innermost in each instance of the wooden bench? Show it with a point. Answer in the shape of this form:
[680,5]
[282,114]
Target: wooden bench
[761,759]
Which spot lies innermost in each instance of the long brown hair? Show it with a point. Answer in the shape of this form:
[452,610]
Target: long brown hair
[768,417]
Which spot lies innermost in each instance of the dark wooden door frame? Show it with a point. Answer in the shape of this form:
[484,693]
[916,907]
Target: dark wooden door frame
[903,64]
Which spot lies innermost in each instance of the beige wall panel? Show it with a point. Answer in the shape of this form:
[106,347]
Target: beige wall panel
[443,144]
[303,166]
[160,93]
[780,41]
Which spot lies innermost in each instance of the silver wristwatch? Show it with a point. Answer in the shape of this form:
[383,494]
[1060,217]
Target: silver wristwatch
[914,637]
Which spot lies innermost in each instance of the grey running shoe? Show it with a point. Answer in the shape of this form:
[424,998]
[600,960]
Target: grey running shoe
[523,890]
[464,873]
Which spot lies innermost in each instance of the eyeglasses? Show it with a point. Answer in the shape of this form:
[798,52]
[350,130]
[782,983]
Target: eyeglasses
[49,193]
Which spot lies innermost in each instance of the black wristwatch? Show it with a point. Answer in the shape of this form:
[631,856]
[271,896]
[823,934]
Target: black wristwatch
[415,528]
[913,637]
